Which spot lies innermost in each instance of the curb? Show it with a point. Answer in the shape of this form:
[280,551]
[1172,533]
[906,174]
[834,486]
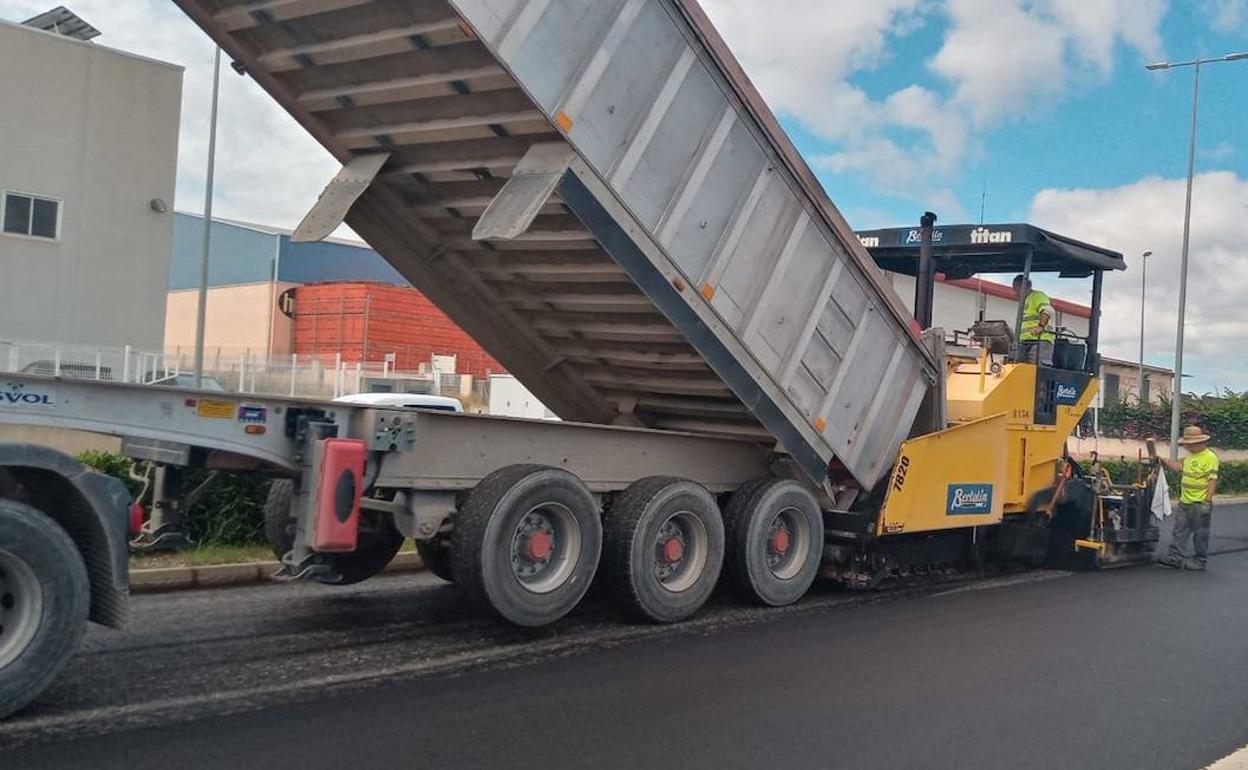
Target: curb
[147,581]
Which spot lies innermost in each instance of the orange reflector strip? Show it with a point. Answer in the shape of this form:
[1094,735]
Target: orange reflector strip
[563,120]
[468,31]
[255,430]
[820,424]
[708,291]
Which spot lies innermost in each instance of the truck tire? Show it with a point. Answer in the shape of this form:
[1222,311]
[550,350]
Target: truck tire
[379,541]
[526,543]
[664,548]
[775,541]
[436,556]
[44,600]
[279,524]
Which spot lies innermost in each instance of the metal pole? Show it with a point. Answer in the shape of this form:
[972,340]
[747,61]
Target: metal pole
[1176,405]
[1143,294]
[925,281]
[202,313]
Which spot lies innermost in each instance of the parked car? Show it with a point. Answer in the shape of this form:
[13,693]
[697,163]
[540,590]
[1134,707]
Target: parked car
[404,401]
[186,380]
[77,369]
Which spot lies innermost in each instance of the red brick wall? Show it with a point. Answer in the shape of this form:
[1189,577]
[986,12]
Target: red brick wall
[366,321]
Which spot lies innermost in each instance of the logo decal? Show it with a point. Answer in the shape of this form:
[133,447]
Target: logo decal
[1065,393]
[983,235]
[968,499]
[20,395]
[915,237]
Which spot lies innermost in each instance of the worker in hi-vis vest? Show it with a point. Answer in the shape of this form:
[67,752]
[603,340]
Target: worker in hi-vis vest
[1195,514]
[1037,334]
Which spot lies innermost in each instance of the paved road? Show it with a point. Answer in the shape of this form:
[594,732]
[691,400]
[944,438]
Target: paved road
[1135,668]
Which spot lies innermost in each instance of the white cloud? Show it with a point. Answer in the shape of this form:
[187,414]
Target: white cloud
[996,56]
[1227,15]
[1002,54]
[1148,216]
[257,142]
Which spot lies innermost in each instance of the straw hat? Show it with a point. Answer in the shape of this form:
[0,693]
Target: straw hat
[1194,435]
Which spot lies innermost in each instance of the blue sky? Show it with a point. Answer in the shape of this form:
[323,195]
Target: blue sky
[902,106]
[1107,130]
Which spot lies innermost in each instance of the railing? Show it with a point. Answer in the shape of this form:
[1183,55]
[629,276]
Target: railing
[294,375]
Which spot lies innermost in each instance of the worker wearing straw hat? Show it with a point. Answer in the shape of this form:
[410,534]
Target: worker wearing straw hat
[1200,480]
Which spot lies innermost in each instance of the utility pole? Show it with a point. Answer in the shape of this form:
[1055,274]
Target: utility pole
[1176,406]
[202,311]
[1143,291]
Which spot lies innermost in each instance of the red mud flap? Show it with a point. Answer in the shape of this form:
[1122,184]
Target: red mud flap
[137,515]
[339,489]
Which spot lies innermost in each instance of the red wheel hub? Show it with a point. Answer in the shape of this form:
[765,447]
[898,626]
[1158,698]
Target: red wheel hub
[781,541]
[540,545]
[673,550]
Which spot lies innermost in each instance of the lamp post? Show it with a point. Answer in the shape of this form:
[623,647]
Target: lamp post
[1143,291]
[201,316]
[1176,406]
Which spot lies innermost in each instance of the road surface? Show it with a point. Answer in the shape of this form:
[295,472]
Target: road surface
[1134,668]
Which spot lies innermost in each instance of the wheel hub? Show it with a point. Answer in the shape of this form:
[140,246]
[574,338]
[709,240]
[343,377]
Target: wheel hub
[788,543]
[540,545]
[544,548]
[673,550]
[21,607]
[781,540]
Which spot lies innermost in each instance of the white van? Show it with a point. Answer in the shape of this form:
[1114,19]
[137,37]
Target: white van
[403,401]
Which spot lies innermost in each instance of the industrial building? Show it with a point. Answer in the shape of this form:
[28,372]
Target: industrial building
[337,300]
[88,154]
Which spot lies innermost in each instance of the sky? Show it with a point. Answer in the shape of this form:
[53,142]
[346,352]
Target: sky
[1013,110]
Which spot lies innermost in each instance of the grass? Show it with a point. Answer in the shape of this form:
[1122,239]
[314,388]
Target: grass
[202,556]
[209,555]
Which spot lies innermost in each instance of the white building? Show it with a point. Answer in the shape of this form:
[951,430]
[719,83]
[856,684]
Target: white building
[959,303]
[88,153]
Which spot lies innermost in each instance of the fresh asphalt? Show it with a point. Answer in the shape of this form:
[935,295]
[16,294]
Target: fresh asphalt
[1134,668]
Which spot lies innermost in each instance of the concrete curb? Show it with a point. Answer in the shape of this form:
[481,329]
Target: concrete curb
[146,581]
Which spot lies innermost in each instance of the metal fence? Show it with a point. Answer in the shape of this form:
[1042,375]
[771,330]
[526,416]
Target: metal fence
[293,375]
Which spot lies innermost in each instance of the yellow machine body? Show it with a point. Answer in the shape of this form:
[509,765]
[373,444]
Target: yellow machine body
[992,460]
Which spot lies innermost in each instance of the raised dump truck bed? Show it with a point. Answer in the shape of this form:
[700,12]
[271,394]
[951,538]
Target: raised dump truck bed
[662,258]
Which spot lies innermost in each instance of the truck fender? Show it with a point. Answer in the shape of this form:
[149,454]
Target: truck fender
[92,507]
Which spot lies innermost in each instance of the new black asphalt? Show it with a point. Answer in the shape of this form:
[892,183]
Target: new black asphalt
[1132,668]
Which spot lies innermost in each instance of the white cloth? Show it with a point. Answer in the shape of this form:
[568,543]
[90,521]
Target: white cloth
[1161,497]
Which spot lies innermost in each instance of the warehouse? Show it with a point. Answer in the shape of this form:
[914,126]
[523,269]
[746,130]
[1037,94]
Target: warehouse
[87,167]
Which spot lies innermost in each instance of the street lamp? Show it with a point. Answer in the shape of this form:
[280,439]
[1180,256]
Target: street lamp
[1176,406]
[1143,291]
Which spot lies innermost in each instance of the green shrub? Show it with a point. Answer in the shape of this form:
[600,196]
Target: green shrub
[229,512]
[1232,476]
[1225,416]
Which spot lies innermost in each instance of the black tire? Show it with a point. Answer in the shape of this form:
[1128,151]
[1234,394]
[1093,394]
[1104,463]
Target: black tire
[504,515]
[44,600]
[756,569]
[436,556]
[379,541]
[279,523]
[648,514]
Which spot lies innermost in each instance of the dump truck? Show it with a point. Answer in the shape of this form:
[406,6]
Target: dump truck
[595,192]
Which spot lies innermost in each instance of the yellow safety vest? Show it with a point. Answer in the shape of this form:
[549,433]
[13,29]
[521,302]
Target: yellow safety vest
[1198,470]
[1033,330]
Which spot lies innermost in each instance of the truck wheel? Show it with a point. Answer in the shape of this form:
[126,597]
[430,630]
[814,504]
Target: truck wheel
[279,524]
[44,599]
[436,556]
[775,541]
[664,548]
[526,543]
[379,541]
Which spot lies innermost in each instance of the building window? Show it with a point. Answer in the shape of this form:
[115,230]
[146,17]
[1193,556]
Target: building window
[32,216]
[1111,388]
